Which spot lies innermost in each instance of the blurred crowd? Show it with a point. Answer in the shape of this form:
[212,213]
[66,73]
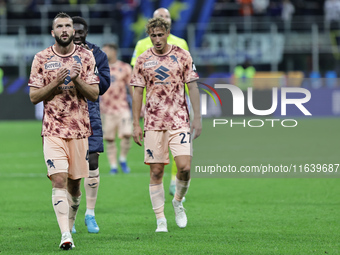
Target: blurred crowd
[273,8]
[277,8]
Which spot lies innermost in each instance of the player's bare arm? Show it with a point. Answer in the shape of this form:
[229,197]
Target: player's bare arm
[91,92]
[196,125]
[39,94]
[130,90]
[136,108]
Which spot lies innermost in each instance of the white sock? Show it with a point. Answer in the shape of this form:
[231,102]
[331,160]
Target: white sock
[122,159]
[89,212]
[113,166]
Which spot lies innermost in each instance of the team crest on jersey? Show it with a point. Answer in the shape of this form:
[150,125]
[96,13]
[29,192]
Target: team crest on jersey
[52,65]
[77,59]
[150,64]
[174,59]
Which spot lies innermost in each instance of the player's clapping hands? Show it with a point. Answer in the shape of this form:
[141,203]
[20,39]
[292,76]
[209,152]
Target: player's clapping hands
[75,71]
[61,75]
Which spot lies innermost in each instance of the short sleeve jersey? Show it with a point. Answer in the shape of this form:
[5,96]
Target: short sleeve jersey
[114,101]
[144,44]
[164,77]
[65,112]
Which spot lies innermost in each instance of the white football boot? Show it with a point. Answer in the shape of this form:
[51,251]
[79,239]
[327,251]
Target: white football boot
[66,241]
[181,217]
[162,225]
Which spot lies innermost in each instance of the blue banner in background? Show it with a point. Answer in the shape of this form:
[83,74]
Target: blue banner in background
[324,102]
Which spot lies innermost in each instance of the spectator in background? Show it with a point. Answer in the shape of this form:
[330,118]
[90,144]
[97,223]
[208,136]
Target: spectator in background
[246,7]
[332,13]
[244,74]
[3,8]
[260,7]
[1,83]
[275,8]
[288,10]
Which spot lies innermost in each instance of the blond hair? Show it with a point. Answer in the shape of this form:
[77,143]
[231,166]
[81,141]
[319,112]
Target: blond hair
[157,22]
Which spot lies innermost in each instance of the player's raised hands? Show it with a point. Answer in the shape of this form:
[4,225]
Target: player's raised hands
[75,71]
[137,134]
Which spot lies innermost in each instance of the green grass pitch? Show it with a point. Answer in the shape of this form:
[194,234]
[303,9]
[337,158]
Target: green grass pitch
[225,215]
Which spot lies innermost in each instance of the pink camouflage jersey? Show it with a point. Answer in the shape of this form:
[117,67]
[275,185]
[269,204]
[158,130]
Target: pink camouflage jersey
[164,77]
[66,112]
[114,101]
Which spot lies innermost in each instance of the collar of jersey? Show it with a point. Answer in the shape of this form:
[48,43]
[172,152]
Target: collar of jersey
[65,56]
[161,55]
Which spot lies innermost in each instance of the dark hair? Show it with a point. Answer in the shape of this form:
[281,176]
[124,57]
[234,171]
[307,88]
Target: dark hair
[111,45]
[60,15]
[157,22]
[79,20]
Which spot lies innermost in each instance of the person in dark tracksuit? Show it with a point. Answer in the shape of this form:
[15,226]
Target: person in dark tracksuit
[96,146]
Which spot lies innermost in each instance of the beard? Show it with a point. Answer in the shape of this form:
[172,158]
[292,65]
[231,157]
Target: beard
[64,43]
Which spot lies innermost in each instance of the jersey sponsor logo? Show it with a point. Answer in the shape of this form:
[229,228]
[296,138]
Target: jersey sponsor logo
[50,163]
[49,58]
[66,87]
[162,83]
[96,70]
[150,64]
[52,65]
[150,154]
[162,75]
[174,59]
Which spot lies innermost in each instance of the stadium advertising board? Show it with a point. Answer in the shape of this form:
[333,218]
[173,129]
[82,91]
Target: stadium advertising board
[219,49]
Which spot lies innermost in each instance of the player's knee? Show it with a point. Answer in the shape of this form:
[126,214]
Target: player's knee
[73,187]
[92,182]
[184,168]
[58,181]
[93,161]
[127,138]
[157,173]
[93,165]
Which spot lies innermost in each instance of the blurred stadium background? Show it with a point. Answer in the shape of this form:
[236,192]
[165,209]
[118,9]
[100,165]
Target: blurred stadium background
[227,215]
[288,46]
